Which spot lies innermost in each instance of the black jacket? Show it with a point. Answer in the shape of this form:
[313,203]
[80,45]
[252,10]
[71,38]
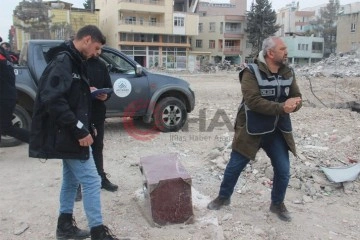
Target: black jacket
[62,106]
[7,76]
[98,77]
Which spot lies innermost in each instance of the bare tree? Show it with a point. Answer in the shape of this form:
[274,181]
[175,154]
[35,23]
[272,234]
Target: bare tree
[34,19]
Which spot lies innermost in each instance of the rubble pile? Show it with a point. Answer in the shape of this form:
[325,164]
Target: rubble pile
[326,142]
[335,66]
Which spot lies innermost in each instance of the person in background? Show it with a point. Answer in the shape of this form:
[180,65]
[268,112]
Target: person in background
[14,57]
[99,78]
[270,94]
[8,98]
[61,128]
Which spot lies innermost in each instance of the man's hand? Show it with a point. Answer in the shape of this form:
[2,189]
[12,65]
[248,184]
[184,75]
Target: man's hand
[291,104]
[102,96]
[86,141]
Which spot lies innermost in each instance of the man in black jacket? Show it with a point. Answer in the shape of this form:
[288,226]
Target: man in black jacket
[61,129]
[8,98]
[99,78]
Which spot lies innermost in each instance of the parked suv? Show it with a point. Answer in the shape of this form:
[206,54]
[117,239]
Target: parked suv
[158,99]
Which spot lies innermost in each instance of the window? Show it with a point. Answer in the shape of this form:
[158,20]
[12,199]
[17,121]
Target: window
[233,27]
[200,27]
[174,58]
[130,20]
[212,27]
[317,47]
[199,43]
[303,47]
[178,21]
[152,21]
[116,63]
[211,44]
[354,46]
[353,27]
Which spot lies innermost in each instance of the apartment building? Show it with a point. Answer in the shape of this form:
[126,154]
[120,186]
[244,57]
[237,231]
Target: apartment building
[293,20]
[222,31]
[304,50]
[348,32]
[155,33]
[294,24]
[65,21]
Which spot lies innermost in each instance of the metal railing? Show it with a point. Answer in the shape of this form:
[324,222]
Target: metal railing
[141,23]
[153,2]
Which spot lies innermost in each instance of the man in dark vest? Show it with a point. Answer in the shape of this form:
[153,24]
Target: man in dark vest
[270,94]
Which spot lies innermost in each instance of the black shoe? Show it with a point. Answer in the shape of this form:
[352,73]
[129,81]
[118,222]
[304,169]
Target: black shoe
[106,184]
[102,232]
[218,202]
[67,229]
[281,211]
[78,197]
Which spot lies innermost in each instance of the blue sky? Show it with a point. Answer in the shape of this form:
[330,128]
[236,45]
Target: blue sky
[9,5]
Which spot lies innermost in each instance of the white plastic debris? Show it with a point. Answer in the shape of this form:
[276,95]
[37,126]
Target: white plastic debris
[342,174]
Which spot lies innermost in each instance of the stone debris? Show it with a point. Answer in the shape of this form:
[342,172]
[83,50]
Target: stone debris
[21,228]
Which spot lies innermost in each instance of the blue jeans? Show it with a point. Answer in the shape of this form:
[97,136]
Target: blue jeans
[277,150]
[83,172]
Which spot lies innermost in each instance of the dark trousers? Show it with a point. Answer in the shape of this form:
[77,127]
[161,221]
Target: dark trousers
[97,147]
[7,107]
[277,150]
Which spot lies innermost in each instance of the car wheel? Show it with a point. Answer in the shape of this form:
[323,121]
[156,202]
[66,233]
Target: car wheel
[170,114]
[21,119]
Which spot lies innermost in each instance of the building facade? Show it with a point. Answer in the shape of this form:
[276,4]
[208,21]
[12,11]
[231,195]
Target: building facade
[304,50]
[348,29]
[292,20]
[65,21]
[294,26]
[155,33]
[222,31]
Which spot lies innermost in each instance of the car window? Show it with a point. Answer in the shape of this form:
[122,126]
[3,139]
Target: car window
[116,63]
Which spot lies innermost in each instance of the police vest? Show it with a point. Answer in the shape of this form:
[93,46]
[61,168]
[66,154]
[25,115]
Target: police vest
[273,88]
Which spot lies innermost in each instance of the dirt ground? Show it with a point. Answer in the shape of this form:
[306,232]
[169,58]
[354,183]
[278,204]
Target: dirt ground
[320,209]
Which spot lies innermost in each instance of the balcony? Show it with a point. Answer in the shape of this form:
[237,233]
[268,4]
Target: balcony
[142,5]
[239,18]
[127,25]
[233,34]
[141,23]
[231,50]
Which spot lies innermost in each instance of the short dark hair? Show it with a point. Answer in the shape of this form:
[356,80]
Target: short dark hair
[6,44]
[93,31]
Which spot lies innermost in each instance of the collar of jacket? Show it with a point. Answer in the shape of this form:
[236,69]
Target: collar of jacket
[260,61]
[67,46]
[74,52]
